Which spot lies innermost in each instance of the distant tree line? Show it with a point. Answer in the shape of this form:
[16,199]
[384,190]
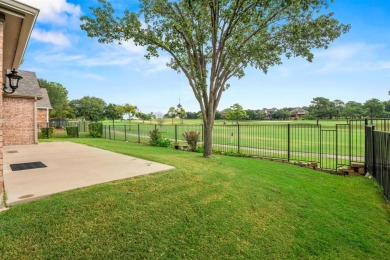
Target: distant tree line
[96,109]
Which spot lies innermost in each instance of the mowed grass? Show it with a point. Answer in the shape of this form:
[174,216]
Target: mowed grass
[218,208]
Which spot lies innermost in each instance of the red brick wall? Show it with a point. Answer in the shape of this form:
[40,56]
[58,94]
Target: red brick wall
[1,113]
[18,123]
[41,116]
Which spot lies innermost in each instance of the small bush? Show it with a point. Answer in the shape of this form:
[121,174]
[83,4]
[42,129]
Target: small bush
[47,132]
[96,129]
[156,139]
[72,131]
[192,139]
[200,149]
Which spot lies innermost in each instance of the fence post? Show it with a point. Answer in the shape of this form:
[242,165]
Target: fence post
[139,135]
[320,144]
[113,130]
[337,147]
[105,132]
[125,134]
[350,143]
[366,121]
[373,151]
[238,138]
[109,132]
[288,142]
[175,133]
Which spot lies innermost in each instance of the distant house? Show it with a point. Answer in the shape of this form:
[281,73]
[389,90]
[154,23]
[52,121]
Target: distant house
[269,111]
[298,112]
[23,109]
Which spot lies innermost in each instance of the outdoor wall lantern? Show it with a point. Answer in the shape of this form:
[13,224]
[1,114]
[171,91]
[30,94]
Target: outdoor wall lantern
[13,79]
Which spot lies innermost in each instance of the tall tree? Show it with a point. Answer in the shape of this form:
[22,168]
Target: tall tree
[387,107]
[213,41]
[58,96]
[281,114]
[353,110]
[192,115]
[181,113]
[172,113]
[236,112]
[322,108]
[374,108]
[111,112]
[143,116]
[338,107]
[130,110]
[90,108]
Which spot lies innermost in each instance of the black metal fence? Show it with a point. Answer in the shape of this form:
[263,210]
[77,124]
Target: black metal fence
[329,147]
[377,157]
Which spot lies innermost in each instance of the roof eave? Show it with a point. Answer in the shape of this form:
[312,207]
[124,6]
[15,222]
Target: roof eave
[29,15]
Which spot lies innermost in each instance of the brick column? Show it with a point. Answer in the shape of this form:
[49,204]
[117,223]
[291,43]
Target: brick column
[2,19]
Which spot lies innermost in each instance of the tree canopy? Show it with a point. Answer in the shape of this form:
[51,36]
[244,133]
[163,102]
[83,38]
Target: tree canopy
[58,96]
[214,41]
[112,112]
[235,112]
[90,108]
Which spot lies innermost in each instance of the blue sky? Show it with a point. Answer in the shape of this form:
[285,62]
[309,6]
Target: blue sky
[356,67]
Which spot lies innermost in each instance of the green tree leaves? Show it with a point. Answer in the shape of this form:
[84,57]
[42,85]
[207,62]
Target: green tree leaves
[215,40]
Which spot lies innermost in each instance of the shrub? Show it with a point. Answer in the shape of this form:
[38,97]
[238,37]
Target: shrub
[47,132]
[192,139]
[95,129]
[72,131]
[156,139]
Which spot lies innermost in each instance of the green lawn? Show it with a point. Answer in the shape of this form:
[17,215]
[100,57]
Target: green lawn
[217,208]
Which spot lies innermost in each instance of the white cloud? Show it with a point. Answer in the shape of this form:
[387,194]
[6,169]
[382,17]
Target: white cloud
[353,57]
[56,11]
[56,38]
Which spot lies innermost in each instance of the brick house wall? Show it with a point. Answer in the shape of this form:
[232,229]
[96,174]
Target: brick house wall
[41,116]
[19,122]
[1,109]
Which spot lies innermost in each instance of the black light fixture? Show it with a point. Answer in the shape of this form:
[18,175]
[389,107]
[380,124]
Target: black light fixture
[13,80]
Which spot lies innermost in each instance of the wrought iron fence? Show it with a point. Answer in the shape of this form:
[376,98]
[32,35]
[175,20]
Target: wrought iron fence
[330,148]
[377,157]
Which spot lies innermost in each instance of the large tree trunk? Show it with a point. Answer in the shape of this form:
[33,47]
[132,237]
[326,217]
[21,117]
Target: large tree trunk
[208,140]
[208,122]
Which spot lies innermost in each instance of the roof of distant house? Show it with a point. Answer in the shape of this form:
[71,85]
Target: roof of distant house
[28,86]
[299,110]
[45,101]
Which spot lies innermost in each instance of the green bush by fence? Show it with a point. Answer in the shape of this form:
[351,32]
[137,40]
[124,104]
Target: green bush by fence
[72,131]
[96,129]
[156,139]
[46,132]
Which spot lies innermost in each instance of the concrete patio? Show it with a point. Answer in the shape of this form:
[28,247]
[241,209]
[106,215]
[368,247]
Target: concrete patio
[69,166]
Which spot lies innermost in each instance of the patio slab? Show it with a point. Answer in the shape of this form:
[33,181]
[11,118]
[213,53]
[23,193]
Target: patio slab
[69,166]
